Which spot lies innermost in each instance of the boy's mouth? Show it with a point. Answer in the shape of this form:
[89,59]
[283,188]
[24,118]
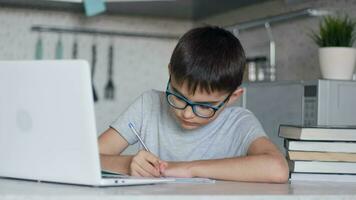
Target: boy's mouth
[188,123]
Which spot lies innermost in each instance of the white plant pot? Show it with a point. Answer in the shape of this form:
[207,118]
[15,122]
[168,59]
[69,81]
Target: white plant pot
[337,62]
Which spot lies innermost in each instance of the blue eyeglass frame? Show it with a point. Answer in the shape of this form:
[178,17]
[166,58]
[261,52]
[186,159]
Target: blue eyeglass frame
[193,104]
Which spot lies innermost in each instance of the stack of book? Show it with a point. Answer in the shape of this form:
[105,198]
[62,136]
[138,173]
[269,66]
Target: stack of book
[320,153]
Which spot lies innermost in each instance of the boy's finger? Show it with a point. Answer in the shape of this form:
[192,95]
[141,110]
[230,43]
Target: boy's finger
[144,164]
[134,171]
[151,169]
[151,157]
[157,165]
[142,172]
[153,161]
[162,166]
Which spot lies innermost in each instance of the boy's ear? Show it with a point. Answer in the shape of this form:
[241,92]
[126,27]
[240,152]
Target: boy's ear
[235,96]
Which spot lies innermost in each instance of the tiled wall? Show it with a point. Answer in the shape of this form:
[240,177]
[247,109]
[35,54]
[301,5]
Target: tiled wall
[296,53]
[139,63]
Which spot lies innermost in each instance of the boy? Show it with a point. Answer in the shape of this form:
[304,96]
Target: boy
[192,130]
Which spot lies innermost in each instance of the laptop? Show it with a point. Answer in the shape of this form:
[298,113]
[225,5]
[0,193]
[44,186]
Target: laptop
[47,125]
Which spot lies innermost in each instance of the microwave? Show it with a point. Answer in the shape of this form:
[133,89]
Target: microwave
[308,103]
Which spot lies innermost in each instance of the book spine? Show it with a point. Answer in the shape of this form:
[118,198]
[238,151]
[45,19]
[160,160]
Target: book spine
[320,146]
[323,167]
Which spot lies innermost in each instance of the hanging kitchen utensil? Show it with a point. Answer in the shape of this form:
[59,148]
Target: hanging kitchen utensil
[75,49]
[59,48]
[93,64]
[110,88]
[39,48]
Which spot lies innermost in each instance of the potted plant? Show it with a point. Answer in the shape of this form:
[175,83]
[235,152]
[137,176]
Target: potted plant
[337,57]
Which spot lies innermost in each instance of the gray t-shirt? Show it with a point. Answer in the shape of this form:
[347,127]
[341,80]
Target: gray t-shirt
[229,135]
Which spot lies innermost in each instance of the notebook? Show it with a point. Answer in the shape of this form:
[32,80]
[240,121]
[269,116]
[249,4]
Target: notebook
[47,125]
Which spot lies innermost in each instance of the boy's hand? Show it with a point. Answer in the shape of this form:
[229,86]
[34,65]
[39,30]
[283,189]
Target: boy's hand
[176,169]
[145,164]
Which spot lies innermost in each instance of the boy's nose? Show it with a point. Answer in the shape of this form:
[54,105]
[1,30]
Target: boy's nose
[188,112]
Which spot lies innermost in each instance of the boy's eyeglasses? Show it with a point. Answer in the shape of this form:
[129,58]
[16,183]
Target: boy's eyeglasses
[199,109]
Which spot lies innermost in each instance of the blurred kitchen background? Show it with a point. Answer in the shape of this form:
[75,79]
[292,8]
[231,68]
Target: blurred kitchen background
[139,61]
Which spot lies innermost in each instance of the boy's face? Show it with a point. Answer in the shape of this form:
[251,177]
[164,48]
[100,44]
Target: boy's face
[186,117]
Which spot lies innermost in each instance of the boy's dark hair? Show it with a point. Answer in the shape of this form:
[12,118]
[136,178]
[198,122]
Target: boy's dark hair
[208,58]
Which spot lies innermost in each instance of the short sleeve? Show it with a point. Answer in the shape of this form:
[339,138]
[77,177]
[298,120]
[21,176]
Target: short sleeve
[133,114]
[253,129]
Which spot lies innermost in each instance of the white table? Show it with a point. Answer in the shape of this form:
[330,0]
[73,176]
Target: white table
[28,190]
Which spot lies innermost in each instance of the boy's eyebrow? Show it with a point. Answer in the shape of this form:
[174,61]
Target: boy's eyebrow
[200,102]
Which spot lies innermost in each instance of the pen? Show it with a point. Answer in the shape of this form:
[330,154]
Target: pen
[132,127]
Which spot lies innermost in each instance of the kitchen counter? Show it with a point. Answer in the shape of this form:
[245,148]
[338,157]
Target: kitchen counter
[20,190]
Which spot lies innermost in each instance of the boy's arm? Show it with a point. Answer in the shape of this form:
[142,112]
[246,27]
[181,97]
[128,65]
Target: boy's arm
[264,163]
[111,144]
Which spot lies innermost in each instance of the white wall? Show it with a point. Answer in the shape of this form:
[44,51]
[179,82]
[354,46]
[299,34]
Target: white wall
[296,53]
[140,63]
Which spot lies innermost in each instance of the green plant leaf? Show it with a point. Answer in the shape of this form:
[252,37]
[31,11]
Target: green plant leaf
[335,31]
